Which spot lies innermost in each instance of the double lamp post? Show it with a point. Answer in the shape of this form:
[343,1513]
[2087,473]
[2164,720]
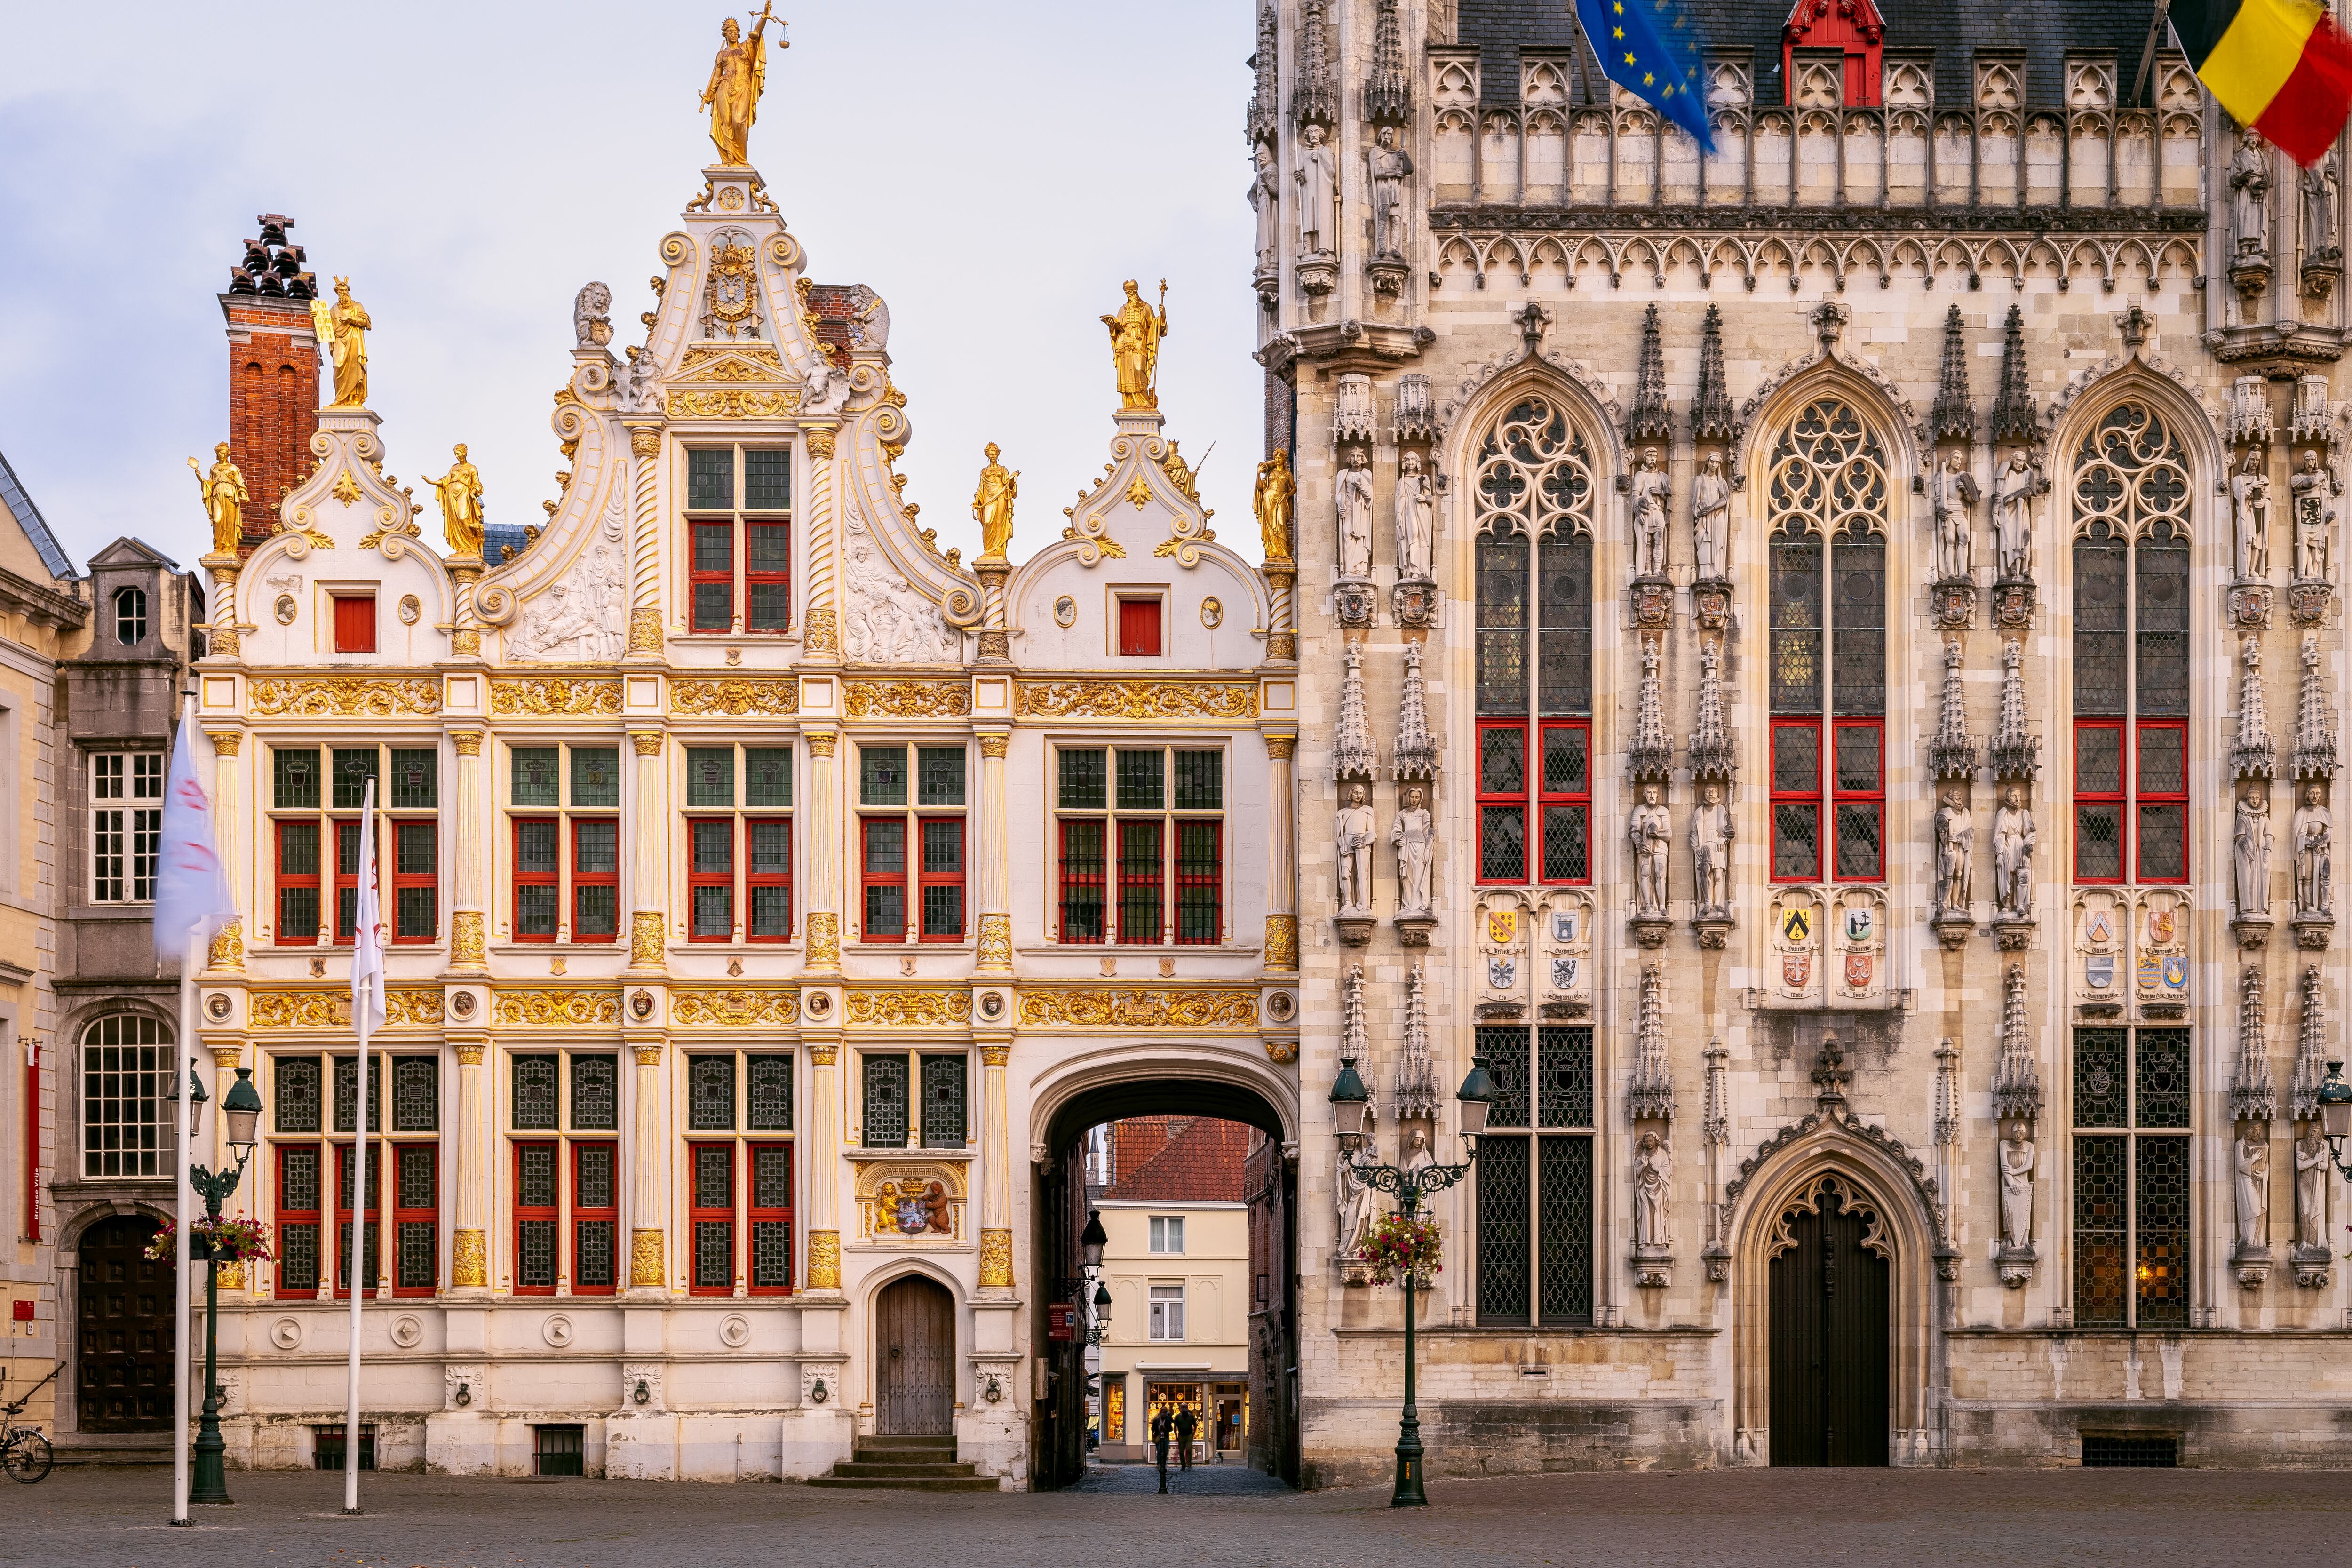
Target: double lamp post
[241,1109]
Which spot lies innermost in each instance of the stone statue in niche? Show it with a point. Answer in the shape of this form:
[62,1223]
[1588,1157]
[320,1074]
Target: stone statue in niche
[1956,840]
[1353,491]
[1319,195]
[2017,1187]
[1391,168]
[1353,832]
[1355,1204]
[2013,491]
[2319,211]
[1952,491]
[1414,835]
[1415,508]
[2250,1166]
[1651,489]
[2311,489]
[2250,853]
[1265,195]
[2315,855]
[1416,1151]
[2013,839]
[1711,832]
[2250,513]
[1654,1177]
[1649,829]
[1711,519]
[2250,189]
[2311,1168]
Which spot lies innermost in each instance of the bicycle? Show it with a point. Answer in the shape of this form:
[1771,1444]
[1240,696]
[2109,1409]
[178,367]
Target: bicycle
[25,1454]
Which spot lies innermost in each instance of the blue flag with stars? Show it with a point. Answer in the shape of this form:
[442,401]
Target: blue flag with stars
[1645,48]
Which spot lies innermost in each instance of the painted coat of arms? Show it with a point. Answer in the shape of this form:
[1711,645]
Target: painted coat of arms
[1857,971]
[1563,973]
[1858,924]
[2099,970]
[1502,926]
[2160,926]
[1502,972]
[2100,929]
[2176,973]
[1796,970]
[1796,923]
[1563,926]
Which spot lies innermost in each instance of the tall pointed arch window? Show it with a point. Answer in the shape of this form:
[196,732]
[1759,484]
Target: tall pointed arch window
[1828,499]
[2131,651]
[1534,497]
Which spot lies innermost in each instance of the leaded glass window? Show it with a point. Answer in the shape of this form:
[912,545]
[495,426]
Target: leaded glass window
[885,1102]
[770,1104]
[295,1083]
[534,1092]
[347,1089]
[943,1103]
[710,1093]
[2131,1152]
[1535,1176]
[596,1093]
[415,1094]
[127,1102]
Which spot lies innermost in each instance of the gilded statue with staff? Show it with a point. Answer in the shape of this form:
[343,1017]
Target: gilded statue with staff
[225,497]
[1136,330]
[737,76]
[342,327]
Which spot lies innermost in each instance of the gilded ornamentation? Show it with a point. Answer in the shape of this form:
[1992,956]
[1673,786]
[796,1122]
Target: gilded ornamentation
[232,1276]
[228,1057]
[739,364]
[820,442]
[1281,748]
[995,941]
[994,746]
[648,743]
[824,941]
[419,1005]
[824,1260]
[649,1056]
[996,1260]
[738,698]
[714,403]
[1136,330]
[466,945]
[1282,646]
[1282,941]
[995,1056]
[645,441]
[224,496]
[645,1260]
[223,642]
[824,1054]
[469,1260]
[341,327]
[820,743]
[1158,700]
[460,491]
[403,1004]
[228,947]
[1271,497]
[824,631]
[737,75]
[1282,1053]
[734,1009]
[468,743]
[992,506]
[900,1200]
[907,700]
[645,631]
[645,939]
[346,488]
[909,1008]
[1109,1007]
[554,1009]
[538,695]
[470,1054]
[342,695]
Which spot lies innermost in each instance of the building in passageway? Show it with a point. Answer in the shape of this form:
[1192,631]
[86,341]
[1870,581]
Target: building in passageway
[1861,612]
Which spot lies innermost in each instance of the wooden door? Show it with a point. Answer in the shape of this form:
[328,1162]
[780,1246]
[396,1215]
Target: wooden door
[914,1358]
[123,1377]
[1829,1334]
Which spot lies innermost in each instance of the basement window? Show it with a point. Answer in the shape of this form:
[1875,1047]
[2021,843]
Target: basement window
[2135,1451]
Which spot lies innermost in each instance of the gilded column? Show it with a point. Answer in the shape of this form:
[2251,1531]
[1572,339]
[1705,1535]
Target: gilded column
[648,927]
[995,955]
[1282,629]
[995,1170]
[824,955]
[466,937]
[648,1206]
[995,637]
[223,638]
[466,624]
[229,819]
[824,1162]
[645,543]
[469,1252]
[1282,855]
[823,643]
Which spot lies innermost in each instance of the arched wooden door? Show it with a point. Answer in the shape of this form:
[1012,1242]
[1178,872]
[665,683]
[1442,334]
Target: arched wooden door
[914,1358]
[122,1379]
[1829,1333]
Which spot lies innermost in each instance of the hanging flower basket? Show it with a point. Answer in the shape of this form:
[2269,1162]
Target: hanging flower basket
[214,1241]
[1396,1245]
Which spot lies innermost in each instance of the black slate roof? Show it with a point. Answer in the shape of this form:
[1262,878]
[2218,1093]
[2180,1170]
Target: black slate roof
[28,518]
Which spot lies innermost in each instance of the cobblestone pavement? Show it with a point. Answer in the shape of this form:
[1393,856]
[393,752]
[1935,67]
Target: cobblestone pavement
[1201,1480]
[288,1519]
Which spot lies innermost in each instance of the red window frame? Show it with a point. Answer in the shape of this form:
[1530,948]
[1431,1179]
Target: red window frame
[696,577]
[696,1216]
[755,880]
[2117,797]
[928,878]
[1138,627]
[346,881]
[584,879]
[870,879]
[1547,800]
[1083,882]
[1875,798]
[1195,880]
[1810,798]
[697,879]
[403,1216]
[608,1214]
[782,579]
[283,882]
[333,1260]
[757,1214]
[428,882]
[551,880]
[1500,801]
[354,622]
[2142,798]
[1153,880]
[549,1214]
[290,1218]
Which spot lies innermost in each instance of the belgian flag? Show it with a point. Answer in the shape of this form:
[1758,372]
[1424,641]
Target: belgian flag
[2281,67]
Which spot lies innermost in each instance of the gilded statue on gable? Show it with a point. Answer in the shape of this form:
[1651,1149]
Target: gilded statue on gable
[1270,498]
[461,503]
[1136,330]
[991,504]
[343,325]
[225,497]
[737,76]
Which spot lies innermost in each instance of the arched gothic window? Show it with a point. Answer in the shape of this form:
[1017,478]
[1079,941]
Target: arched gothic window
[1828,497]
[1534,494]
[2131,652]
[126,1078]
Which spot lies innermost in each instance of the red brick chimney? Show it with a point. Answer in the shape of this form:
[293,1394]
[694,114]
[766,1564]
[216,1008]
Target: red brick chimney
[273,371]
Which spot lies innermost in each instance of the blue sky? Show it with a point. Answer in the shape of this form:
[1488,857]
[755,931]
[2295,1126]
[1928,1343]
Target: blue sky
[993,170]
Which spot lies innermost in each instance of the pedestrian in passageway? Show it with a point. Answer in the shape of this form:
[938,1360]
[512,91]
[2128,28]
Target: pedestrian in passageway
[1187,1424]
[1163,1426]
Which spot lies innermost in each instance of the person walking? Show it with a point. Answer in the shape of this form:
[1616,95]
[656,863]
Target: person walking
[1187,1424]
[1162,1427]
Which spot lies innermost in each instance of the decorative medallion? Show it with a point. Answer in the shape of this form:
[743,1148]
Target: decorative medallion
[1066,612]
[285,609]
[1213,612]
[410,610]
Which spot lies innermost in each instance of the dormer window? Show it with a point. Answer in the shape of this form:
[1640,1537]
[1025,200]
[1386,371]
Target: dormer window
[739,528]
[129,615]
[1832,52]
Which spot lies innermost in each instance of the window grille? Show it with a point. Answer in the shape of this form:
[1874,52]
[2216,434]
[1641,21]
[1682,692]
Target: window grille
[712,1219]
[296,1091]
[2116,1451]
[2131,1114]
[534,1092]
[298,1216]
[595,1219]
[535,1218]
[710,1093]
[596,1093]
[127,1102]
[1141,845]
[1534,1197]
[559,1450]
[770,1100]
[415,1094]
[885,1102]
[944,1126]
[739,539]
[347,1090]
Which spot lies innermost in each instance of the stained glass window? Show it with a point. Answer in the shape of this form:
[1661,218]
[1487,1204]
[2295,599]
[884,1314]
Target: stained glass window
[534,1092]
[771,1107]
[415,1094]
[596,1093]
[1535,1190]
[944,1125]
[347,1089]
[710,1093]
[885,1102]
[2131,1158]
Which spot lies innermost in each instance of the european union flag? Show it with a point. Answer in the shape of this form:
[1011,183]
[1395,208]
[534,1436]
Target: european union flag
[1652,53]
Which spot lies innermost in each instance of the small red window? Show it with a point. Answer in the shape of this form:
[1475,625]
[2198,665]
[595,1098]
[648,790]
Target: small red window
[354,622]
[1138,628]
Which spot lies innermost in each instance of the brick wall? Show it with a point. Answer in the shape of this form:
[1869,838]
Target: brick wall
[273,400]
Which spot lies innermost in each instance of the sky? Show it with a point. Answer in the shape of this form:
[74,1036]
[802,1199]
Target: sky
[993,170]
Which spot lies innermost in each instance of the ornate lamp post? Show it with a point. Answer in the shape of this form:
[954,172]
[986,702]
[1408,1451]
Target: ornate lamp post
[2336,1115]
[241,1108]
[1349,1102]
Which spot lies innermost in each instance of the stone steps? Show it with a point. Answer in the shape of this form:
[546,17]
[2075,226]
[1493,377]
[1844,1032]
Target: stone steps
[113,1449]
[925,1464]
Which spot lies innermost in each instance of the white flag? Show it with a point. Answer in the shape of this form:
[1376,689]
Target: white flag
[367,934]
[190,888]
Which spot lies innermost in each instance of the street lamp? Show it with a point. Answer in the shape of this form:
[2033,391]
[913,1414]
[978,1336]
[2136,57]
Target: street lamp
[2336,1115]
[241,1109]
[1099,1328]
[1351,1105]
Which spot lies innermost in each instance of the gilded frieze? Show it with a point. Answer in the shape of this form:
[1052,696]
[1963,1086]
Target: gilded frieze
[747,405]
[552,1008]
[1150,699]
[734,1009]
[909,1008]
[342,697]
[907,700]
[404,1005]
[1111,1007]
[736,697]
[553,696]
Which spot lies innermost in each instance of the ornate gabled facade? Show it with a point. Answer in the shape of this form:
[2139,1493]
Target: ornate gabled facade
[1991,377]
[774,898]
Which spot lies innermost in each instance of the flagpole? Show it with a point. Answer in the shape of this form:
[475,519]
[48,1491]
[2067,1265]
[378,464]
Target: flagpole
[191,959]
[364,979]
